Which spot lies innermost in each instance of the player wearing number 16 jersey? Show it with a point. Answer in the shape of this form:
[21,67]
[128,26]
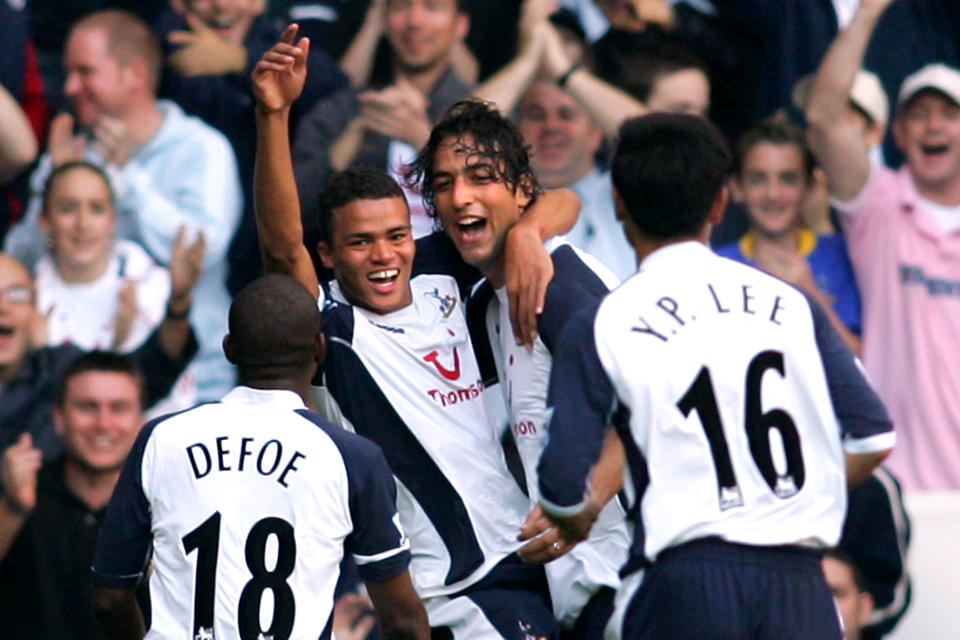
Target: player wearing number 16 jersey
[250,503]
[744,404]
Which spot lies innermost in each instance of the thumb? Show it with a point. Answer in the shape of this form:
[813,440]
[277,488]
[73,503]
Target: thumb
[25,441]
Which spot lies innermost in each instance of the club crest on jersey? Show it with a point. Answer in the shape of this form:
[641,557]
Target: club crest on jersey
[527,631]
[449,374]
[447,302]
[204,633]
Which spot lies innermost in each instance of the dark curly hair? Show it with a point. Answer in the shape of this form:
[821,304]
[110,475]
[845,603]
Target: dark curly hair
[477,129]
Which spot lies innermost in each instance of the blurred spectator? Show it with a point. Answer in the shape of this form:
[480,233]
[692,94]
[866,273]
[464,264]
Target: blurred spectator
[876,534]
[773,177]
[51,511]
[21,83]
[668,78]
[903,233]
[50,24]
[383,126]
[29,371]
[210,49]
[853,601]
[169,170]
[18,145]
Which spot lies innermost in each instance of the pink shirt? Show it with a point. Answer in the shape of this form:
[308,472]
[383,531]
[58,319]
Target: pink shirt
[909,277]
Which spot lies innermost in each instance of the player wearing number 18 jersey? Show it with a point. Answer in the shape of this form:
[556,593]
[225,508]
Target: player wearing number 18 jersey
[255,494]
[743,405]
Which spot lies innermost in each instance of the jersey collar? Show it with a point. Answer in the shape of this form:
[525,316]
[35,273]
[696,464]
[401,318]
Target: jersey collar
[277,398]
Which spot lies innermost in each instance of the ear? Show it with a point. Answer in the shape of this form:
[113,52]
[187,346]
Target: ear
[866,607]
[228,349]
[137,73]
[325,253]
[736,189]
[59,421]
[620,207]
[319,347]
[719,207]
[898,133]
[463,24]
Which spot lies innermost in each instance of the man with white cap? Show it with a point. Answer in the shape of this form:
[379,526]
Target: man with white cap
[903,234]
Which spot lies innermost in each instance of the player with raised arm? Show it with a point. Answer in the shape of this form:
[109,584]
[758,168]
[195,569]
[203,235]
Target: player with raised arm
[745,408]
[401,369]
[476,178]
[252,494]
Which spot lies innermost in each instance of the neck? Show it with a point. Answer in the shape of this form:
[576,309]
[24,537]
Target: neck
[79,274]
[788,240]
[423,80]
[945,195]
[299,385]
[93,488]
[144,122]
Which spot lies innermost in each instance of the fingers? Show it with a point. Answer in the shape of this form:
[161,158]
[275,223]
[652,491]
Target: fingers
[196,24]
[544,548]
[289,33]
[181,37]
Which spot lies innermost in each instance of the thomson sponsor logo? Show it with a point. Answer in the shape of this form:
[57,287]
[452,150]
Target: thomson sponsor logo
[456,396]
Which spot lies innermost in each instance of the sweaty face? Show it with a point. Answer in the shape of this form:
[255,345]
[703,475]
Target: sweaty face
[423,32]
[99,419]
[81,222]
[371,253]
[97,84]
[928,133]
[474,205]
[16,313]
[229,18]
[773,186]
[686,91]
[562,136]
[854,606]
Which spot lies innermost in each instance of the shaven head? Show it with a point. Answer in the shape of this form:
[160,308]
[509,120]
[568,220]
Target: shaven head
[128,38]
[274,328]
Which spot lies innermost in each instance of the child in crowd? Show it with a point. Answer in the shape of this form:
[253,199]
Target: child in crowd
[773,179]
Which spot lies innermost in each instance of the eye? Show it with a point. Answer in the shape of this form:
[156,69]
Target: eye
[441,184]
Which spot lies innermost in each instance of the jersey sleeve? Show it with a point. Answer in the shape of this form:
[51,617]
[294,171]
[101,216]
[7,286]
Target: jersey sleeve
[574,286]
[379,546]
[865,425]
[125,538]
[582,399]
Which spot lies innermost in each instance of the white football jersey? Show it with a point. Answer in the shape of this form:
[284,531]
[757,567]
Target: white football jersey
[522,375]
[409,381]
[238,498]
[740,393]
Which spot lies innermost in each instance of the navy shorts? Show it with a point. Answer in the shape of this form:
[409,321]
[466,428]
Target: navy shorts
[714,590]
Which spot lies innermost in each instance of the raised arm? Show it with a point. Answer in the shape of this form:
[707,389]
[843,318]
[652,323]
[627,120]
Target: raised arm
[834,133]
[18,145]
[278,79]
[357,60]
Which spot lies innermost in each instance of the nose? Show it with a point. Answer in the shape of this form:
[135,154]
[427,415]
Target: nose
[71,86]
[382,250]
[461,194]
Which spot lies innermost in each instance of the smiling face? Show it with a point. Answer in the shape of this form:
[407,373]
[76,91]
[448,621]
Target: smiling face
[475,206]
[80,221]
[17,312]
[928,132]
[773,186]
[562,136]
[371,253]
[97,84]
[423,32]
[231,19]
[99,419]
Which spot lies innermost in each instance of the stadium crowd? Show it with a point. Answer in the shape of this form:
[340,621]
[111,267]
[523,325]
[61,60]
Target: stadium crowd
[158,156]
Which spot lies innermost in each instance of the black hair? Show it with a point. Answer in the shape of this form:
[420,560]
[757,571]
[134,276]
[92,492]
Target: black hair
[669,169]
[102,361]
[477,129]
[273,324]
[640,72]
[842,556]
[344,187]
[777,129]
[66,168]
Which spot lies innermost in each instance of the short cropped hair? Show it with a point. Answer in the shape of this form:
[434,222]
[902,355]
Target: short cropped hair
[845,558]
[66,168]
[777,129]
[102,362]
[669,169]
[344,187]
[273,324]
[479,129]
[128,37]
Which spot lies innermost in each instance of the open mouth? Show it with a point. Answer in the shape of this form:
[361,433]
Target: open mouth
[934,149]
[6,335]
[470,227]
[384,279]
